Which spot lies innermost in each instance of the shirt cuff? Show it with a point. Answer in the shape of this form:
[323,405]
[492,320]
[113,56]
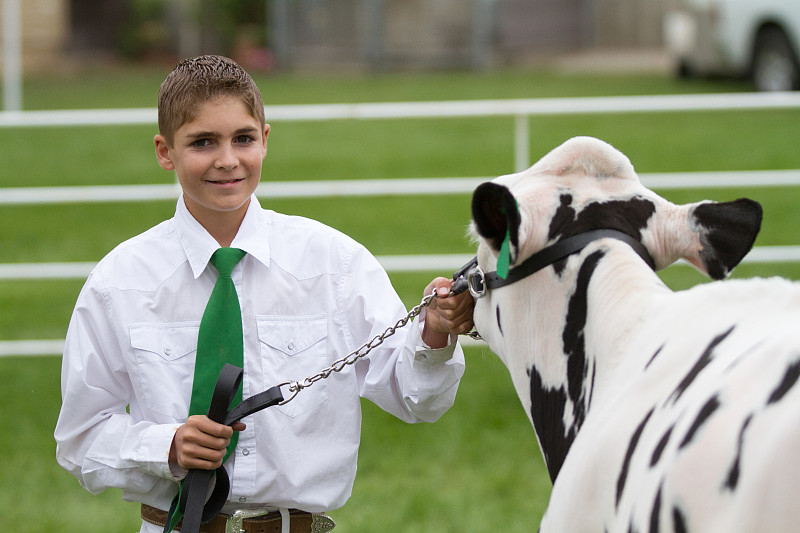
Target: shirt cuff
[154,449]
[434,356]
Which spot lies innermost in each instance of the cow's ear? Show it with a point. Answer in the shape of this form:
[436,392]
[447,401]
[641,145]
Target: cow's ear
[726,231]
[496,217]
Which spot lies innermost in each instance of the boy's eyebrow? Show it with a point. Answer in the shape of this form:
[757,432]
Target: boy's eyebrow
[248,129]
[214,134]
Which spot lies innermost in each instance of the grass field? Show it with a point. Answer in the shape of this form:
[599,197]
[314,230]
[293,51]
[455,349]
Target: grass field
[478,469]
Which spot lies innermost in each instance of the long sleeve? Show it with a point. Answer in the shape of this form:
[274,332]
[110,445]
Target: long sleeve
[404,377]
[98,440]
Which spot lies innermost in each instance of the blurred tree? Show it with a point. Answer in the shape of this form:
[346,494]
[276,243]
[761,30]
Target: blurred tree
[186,27]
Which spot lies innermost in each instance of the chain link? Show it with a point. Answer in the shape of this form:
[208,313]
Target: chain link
[363,350]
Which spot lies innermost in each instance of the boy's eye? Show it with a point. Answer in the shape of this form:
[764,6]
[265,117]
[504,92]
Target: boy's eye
[244,139]
[200,143]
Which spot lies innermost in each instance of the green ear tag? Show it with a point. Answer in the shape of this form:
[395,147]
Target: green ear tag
[504,258]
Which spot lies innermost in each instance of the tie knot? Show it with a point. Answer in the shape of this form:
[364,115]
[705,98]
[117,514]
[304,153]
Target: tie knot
[224,259]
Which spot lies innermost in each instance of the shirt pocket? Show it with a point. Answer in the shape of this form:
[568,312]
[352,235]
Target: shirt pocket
[294,348]
[165,356]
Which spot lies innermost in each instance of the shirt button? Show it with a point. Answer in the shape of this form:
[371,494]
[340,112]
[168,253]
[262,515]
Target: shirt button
[167,351]
[242,499]
[291,347]
[246,451]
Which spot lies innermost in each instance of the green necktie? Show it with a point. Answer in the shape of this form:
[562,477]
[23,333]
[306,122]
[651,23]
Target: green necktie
[219,341]
[220,338]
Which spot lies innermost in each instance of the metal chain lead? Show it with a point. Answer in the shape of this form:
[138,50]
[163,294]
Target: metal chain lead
[363,350]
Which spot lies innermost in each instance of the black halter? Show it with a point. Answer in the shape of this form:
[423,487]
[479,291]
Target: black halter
[479,282]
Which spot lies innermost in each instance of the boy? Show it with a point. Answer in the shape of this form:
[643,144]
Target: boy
[308,295]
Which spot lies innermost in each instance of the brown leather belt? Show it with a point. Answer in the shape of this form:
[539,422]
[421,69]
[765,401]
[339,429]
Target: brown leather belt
[301,521]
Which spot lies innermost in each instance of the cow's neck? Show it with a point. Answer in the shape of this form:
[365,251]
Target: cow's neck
[583,313]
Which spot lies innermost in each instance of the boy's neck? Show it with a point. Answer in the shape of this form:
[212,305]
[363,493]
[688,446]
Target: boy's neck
[223,237]
[221,225]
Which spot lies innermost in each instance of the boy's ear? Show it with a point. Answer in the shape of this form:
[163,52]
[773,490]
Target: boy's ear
[264,140]
[162,153]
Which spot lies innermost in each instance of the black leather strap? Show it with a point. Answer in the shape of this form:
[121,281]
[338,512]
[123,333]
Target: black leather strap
[560,250]
[193,505]
[253,404]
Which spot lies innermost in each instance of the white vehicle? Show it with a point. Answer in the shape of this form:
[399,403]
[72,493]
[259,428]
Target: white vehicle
[759,39]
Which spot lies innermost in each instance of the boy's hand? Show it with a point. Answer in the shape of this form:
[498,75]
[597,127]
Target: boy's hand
[200,443]
[447,315]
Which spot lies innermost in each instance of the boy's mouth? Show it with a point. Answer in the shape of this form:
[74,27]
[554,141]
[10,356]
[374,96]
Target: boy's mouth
[225,182]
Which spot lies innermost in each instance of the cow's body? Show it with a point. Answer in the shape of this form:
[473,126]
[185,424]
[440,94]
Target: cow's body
[655,410]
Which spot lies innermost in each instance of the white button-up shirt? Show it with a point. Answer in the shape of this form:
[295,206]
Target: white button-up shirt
[309,295]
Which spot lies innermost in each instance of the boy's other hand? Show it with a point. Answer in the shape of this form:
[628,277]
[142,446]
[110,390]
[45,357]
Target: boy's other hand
[200,443]
[447,315]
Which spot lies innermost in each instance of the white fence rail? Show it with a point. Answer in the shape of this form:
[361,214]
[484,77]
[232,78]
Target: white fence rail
[370,187]
[446,109]
[521,110]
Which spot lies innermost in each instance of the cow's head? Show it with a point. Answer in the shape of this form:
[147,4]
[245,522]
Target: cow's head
[581,186]
[587,184]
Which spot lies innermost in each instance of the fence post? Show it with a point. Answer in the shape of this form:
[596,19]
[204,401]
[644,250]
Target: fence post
[521,143]
[12,52]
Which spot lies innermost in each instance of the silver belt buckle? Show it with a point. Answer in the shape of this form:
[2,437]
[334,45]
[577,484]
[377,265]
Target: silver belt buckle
[235,522]
[320,523]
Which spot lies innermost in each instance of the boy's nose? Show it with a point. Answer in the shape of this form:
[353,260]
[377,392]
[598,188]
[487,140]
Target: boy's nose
[226,158]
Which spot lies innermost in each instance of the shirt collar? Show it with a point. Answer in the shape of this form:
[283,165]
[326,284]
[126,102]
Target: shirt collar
[199,245]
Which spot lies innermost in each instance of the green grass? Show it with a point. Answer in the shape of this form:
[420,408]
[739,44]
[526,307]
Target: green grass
[36,495]
[478,468]
[138,86]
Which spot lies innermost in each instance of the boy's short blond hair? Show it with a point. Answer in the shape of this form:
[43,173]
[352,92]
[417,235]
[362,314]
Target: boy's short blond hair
[197,80]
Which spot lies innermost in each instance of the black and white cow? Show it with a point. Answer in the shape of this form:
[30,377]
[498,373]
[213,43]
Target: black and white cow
[656,411]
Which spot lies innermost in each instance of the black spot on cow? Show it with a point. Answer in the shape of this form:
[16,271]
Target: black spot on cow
[659,449]
[591,384]
[628,216]
[548,405]
[626,463]
[702,362]
[560,265]
[705,413]
[732,479]
[656,511]
[562,218]
[679,521]
[547,413]
[499,325]
[789,379]
[574,340]
[653,357]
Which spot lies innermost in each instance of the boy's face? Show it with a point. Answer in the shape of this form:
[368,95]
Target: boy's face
[217,158]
